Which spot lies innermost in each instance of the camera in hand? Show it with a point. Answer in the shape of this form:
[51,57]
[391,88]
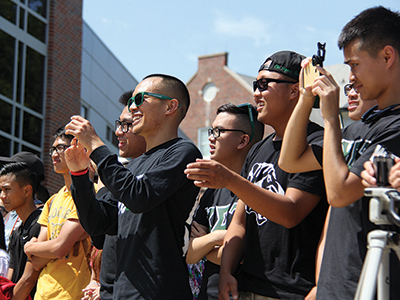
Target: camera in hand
[382,167]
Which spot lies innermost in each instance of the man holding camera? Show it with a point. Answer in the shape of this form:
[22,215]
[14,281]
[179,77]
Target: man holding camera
[371,46]
[279,217]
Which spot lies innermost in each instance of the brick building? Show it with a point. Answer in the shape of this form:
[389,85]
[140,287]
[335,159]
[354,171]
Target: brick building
[54,66]
[212,85]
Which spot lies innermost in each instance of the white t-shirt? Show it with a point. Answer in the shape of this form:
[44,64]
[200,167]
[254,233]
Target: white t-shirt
[4,260]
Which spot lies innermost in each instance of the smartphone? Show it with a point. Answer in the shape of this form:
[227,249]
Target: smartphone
[310,72]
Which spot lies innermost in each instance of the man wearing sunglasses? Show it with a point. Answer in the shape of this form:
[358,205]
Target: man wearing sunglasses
[372,52]
[129,146]
[234,131]
[279,217]
[156,200]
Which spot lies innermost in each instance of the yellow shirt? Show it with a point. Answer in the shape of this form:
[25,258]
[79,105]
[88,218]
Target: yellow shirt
[63,278]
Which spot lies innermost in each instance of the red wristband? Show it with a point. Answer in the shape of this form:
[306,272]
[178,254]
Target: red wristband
[80,172]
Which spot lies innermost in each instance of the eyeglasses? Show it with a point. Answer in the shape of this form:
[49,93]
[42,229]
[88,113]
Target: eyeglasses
[123,124]
[251,117]
[347,88]
[59,148]
[262,84]
[216,132]
[138,99]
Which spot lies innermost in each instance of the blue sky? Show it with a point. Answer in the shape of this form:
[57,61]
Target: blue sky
[167,36]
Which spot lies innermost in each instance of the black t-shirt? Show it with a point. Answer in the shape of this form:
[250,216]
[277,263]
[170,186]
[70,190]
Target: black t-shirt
[156,204]
[280,262]
[215,212]
[18,239]
[109,255]
[346,241]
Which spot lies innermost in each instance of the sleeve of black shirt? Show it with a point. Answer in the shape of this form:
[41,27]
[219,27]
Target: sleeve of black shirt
[96,216]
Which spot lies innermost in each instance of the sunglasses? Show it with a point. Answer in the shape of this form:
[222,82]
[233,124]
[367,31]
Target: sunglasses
[251,117]
[347,88]
[138,99]
[262,84]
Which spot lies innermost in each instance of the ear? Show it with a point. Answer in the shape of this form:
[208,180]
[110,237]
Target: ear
[244,141]
[173,106]
[295,91]
[28,190]
[389,54]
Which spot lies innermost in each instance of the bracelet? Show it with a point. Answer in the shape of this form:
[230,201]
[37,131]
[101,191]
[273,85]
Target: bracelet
[79,173]
[95,282]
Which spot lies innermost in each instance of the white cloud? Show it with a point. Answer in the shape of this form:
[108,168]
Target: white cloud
[246,27]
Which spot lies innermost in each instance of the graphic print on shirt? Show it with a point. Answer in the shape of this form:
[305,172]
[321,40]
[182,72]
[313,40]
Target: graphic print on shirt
[57,219]
[218,216]
[352,150]
[264,175]
[121,206]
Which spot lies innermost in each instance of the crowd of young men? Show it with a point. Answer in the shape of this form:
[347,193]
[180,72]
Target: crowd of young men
[273,193]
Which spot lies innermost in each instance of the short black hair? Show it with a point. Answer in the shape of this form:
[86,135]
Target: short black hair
[23,174]
[242,113]
[60,133]
[123,99]
[174,88]
[375,27]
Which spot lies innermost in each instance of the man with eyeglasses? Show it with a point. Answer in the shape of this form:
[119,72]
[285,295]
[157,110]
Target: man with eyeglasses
[234,131]
[130,146]
[279,217]
[156,200]
[293,156]
[372,52]
[61,249]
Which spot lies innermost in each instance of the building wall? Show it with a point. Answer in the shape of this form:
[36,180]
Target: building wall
[63,83]
[231,88]
[103,80]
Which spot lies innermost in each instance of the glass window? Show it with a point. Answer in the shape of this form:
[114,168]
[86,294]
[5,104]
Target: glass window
[202,141]
[84,112]
[7,64]
[34,80]
[5,116]
[8,10]
[22,18]
[16,122]
[5,144]
[32,129]
[39,6]
[111,137]
[37,28]
[20,68]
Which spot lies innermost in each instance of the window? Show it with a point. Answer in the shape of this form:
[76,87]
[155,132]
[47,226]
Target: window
[34,80]
[8,10]
[202,141]
[22,75]
[84,112]
[111,137]
[7,53]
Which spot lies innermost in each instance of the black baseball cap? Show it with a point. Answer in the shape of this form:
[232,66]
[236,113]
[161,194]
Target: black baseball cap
[34,162]
[284,62]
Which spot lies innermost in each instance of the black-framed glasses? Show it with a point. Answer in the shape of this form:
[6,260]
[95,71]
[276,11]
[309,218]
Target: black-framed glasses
[59,149]
[123,124]
[138,99]
[347,88]
[251,117]
[216,132]
[262,83]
